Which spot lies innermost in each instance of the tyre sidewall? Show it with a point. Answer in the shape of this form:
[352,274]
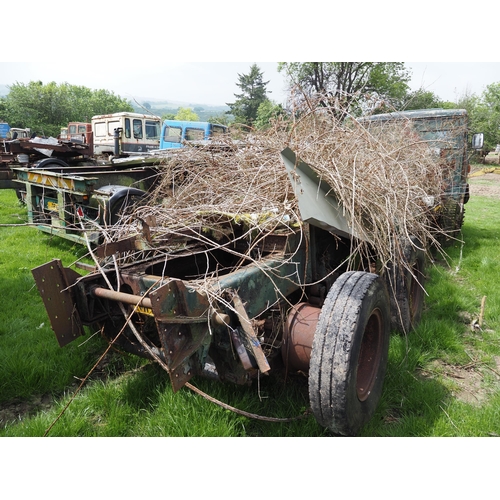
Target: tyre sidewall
[360,412]
[336,352]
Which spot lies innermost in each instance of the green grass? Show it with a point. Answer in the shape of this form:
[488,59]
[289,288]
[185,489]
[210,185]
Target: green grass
[429,371]
[444,379]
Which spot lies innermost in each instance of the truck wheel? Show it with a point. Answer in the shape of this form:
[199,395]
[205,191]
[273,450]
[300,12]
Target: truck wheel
[406,289]
[120,200]
[349,353]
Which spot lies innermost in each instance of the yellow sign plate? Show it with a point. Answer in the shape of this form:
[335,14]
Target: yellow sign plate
[145,310]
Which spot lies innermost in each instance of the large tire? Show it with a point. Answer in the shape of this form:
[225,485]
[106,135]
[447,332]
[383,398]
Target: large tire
[349,353]
[406,289]
[121,198]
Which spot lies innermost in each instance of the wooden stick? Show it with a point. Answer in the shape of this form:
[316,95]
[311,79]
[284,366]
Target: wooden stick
[481,314]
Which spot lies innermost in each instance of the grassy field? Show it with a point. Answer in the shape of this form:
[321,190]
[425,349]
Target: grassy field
[443,379]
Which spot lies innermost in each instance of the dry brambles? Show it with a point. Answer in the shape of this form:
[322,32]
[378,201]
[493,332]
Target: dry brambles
[383,176]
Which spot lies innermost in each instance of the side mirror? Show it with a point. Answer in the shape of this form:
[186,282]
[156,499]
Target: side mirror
[477,141]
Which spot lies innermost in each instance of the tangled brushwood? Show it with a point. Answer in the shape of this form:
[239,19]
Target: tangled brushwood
[384,177]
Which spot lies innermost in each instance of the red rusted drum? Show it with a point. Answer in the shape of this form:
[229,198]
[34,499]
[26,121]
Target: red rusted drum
[298,336]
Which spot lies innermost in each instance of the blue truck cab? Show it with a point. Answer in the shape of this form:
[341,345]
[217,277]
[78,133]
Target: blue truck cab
[174,133]
[4,130]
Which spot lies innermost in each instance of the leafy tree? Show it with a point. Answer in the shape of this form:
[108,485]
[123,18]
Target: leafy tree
[186,114]
[221,119]
[253,94]
[168,116]
[45,108]
[341,85]
[422,99]
[268,110]
[486,116]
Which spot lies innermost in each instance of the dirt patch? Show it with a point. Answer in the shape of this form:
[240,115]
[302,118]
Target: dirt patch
[16,410]
[466,382]
[487,184]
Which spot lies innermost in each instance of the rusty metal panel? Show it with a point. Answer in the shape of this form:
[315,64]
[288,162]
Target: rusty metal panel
[181,316]
[52,280]
[179,345]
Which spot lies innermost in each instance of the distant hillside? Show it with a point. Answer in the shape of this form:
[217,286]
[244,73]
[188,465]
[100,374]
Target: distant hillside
[161,107]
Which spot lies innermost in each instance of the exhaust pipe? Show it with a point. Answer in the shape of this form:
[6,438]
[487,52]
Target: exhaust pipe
[117,135]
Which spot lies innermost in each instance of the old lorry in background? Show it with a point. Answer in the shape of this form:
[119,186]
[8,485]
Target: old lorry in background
[176,133]
[125,134]
[446,131]
[8,132]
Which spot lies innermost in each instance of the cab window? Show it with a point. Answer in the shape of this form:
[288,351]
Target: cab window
[137,126]
[100,129]
[112,126]
[218,130]
[128,132]
[152,130]
[194,134]
[172,134]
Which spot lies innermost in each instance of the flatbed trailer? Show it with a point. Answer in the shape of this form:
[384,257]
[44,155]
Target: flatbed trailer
[76,202]
[68,193]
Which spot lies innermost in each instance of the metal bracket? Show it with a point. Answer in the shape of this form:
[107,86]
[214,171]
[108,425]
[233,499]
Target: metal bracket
[53,282]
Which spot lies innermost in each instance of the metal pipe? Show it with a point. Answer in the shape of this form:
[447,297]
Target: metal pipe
[126,298]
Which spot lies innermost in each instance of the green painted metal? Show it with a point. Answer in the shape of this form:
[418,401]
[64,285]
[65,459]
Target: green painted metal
[317,203]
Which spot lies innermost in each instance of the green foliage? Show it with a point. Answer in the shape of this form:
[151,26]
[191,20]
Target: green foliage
[423,99]
[267,111]
[45,108]
[187,115]
[222,119]
[486,116]
[253,94]
[347,82]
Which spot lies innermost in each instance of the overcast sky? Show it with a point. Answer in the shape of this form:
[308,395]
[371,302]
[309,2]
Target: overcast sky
[214,83]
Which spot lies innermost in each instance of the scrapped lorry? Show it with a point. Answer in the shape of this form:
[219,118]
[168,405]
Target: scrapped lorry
[245,303]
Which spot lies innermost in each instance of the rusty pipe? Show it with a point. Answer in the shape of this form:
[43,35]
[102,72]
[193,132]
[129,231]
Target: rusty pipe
[298,336]
[126,298]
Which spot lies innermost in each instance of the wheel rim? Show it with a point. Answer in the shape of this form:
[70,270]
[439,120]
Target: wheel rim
[370,355]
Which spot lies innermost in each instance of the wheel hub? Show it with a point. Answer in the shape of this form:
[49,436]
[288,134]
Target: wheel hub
[298,336]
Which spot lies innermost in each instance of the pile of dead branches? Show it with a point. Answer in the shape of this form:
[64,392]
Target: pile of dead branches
[385,178]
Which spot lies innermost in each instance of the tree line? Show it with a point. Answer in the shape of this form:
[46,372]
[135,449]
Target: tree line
[346,87]
[45,108]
